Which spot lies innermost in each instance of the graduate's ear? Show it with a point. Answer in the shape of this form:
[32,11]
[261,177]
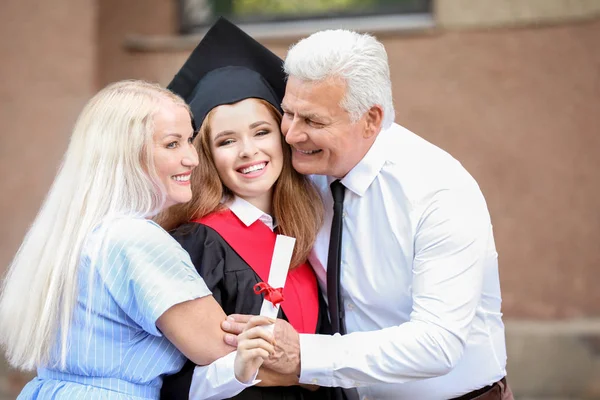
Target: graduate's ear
[373,120]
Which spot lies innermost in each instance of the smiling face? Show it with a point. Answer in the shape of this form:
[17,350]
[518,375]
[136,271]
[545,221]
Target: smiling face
[174,155]
[323,137]
[245,143]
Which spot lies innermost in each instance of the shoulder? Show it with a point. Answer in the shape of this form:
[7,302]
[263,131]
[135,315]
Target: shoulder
[125,228]
[196,237]
[134,248]
[194,232]
[420,169]
[403,148]
[129,235]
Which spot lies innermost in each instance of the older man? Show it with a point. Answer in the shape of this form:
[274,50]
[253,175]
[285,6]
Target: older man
[407,229]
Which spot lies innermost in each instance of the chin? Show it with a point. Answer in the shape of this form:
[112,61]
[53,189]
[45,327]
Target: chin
[186,200]
[303,168]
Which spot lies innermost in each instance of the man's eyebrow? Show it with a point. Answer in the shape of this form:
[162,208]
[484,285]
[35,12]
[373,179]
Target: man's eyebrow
[311,116]
[308,115]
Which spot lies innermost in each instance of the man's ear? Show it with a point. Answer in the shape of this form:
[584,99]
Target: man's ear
[373,121]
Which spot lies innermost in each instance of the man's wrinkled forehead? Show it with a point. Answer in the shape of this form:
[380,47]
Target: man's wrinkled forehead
[313,97]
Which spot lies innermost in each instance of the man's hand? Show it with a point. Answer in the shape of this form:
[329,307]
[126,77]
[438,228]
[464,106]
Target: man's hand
[268,377]
[286,359]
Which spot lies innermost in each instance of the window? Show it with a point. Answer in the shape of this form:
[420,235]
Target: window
[197,15]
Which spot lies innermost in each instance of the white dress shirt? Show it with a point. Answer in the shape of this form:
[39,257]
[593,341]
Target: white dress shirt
[217,380]
[419,278]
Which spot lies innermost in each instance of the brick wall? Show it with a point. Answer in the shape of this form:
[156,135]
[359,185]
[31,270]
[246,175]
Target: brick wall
[48,67]
[517,106]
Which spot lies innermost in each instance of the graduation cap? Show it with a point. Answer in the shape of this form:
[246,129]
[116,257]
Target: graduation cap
[228,66]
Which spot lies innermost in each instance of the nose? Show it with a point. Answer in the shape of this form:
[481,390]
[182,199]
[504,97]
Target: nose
[190,158]
[292,130]
[248,149]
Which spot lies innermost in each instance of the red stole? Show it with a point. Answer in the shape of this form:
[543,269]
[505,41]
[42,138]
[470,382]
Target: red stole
[255,245]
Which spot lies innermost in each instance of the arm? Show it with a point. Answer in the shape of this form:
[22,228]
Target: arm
[451,243]
[153,280]
[194,328]
[216,381]
[450,248]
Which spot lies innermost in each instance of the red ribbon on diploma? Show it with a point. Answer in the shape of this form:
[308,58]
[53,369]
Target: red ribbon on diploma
[275,296]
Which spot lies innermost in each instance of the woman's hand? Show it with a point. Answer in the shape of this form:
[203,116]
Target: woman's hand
[255,345]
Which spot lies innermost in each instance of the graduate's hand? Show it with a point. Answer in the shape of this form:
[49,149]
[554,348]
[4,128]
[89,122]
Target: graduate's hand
[286,359]
[255,345]
[233,326]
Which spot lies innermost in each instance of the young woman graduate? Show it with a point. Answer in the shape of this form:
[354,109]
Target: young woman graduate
[245,191]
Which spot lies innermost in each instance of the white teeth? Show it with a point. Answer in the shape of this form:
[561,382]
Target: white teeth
[182,178]
[253,168]
[308,151]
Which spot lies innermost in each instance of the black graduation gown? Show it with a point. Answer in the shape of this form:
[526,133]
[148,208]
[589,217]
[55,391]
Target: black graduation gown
[231,280]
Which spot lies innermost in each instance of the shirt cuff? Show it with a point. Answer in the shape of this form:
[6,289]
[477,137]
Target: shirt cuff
[217,380]
[316,361]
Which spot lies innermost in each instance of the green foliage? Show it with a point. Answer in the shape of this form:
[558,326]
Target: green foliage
[307,8]
[279,7]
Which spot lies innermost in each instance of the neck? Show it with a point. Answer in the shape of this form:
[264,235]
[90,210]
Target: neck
[263,202]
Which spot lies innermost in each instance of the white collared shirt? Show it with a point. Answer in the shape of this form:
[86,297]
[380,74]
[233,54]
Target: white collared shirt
[249,214]
[419,278]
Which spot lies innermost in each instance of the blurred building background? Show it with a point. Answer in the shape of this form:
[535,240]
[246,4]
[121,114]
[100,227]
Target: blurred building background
[511,88]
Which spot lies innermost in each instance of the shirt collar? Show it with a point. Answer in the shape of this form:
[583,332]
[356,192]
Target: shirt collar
[364,173]
[249,214]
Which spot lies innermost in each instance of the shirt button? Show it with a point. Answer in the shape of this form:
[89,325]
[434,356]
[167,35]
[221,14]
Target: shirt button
[315,381]
[350,306]
[343,214]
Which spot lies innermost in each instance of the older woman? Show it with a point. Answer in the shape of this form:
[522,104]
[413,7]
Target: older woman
[100,299]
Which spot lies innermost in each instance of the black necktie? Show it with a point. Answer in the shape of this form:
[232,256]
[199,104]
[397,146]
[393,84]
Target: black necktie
[336,308]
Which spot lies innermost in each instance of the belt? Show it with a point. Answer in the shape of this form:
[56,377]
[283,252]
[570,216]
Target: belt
[476,393]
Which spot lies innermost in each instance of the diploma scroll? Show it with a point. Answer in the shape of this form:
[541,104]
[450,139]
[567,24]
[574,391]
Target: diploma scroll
[280,264]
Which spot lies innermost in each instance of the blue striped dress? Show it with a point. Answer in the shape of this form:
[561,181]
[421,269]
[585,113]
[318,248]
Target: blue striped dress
[117,352]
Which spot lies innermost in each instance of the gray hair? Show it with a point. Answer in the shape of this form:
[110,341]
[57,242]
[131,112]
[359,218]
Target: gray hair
[359,59]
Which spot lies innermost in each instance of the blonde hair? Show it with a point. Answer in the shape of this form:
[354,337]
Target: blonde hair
[297,207]
[107,172]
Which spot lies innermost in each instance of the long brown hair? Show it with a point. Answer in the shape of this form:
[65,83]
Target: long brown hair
[297,207]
